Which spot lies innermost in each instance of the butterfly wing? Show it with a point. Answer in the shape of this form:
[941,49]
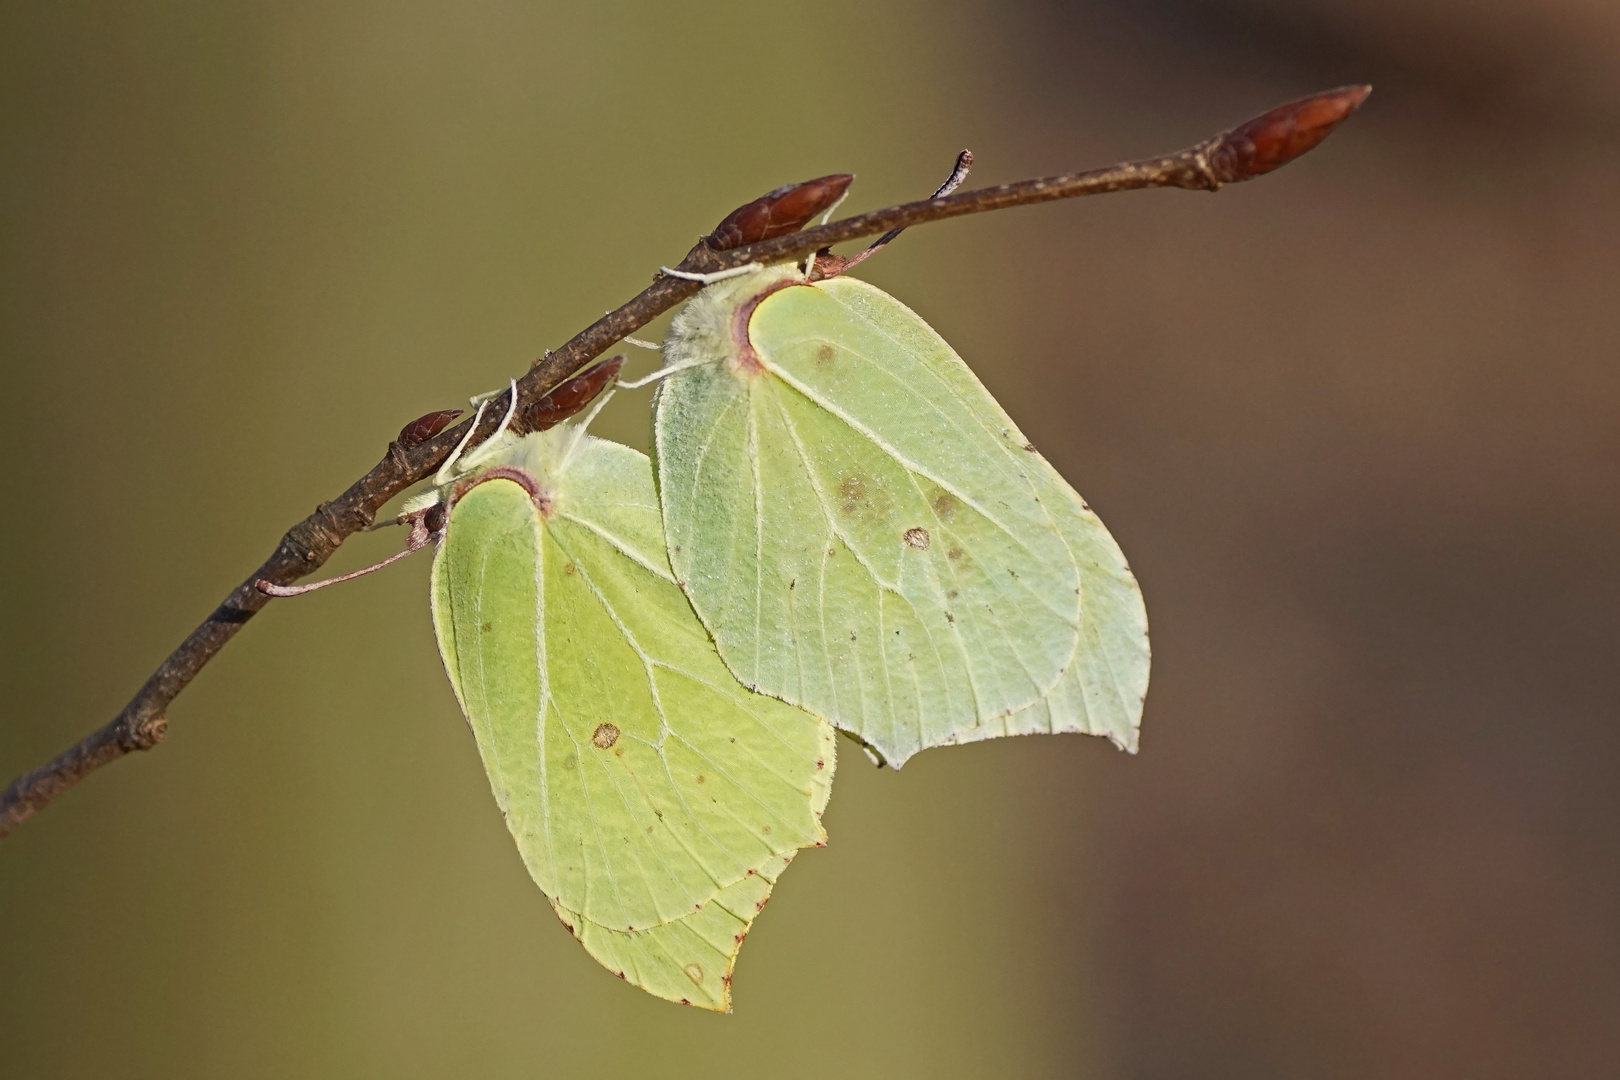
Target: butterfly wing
[864,530]
[639,779]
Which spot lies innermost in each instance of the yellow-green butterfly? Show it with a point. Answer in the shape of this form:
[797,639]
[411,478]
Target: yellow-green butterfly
[653,798]
[867,534]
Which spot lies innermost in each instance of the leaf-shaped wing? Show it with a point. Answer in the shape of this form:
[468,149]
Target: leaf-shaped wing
[689,960]
[861,526]
[639,779]
[1103,686]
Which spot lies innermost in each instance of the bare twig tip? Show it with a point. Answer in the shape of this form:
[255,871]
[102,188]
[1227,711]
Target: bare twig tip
[1275,138]
[837,264]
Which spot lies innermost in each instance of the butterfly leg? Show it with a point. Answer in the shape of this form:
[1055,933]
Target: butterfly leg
[447,470]
[718,275]
[636,384]
[493,443]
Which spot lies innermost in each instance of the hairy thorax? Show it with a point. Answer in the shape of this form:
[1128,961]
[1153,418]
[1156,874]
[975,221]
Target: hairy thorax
[713,328]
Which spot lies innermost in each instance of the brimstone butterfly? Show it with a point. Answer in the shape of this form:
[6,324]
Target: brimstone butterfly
[653,798]
[867,534]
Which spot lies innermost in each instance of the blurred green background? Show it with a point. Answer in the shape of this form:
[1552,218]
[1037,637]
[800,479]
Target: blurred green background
[1357,425]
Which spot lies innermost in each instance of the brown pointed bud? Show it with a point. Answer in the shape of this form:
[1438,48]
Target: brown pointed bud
[1281,135]
[779,212]
[571,397]
[423,428]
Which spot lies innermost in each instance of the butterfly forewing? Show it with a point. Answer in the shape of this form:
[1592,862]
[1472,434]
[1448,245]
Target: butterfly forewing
[859,524]
[866,533]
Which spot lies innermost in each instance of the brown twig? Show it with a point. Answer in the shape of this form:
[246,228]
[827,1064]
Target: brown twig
[1247,151]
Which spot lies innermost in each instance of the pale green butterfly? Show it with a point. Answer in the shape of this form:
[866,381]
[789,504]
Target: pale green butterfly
[867,534]
[654,799]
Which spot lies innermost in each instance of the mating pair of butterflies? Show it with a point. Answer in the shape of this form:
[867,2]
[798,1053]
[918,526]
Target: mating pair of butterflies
[842,530]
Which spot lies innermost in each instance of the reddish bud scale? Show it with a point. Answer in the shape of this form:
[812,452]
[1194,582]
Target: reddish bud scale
[1281,135]
[423,428]
[571,396]
[777,213]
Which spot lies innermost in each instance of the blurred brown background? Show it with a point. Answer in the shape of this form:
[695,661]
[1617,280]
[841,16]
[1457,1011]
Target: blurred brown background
[1357,425]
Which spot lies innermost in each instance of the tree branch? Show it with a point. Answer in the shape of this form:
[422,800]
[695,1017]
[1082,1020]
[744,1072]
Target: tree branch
[1249,150]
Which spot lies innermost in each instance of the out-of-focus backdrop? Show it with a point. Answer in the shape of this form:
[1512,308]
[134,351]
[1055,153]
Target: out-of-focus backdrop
[1356,424]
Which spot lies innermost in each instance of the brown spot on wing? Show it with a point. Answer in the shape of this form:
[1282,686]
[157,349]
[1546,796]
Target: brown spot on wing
[853,492]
